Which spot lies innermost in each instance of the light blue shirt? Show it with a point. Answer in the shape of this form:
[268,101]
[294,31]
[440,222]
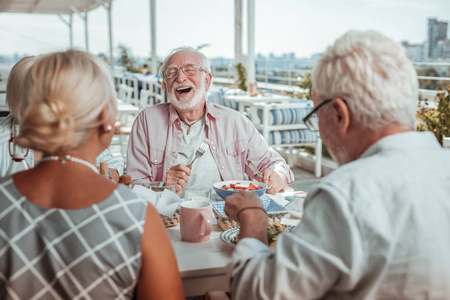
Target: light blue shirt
[377,227]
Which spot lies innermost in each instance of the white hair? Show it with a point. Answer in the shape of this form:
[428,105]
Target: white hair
[372,73]
[203,59]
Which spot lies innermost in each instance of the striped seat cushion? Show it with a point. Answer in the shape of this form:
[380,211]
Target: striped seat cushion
[231,104]
[232,92]
[283,137]
[288,115]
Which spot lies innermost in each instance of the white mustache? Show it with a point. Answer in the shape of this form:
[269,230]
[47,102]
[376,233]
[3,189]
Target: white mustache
[186,83]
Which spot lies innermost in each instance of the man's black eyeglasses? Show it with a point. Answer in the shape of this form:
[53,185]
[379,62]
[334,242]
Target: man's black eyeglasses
[311,121]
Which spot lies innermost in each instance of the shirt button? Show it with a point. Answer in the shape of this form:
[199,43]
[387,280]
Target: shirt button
[155,161]
[222,167]
[235,153]
[214,148]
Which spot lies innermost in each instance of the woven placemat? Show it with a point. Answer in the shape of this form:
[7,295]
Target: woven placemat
[224,222]
[172,221]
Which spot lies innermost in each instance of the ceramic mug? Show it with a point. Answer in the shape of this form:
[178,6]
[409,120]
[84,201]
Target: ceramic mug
[195,221]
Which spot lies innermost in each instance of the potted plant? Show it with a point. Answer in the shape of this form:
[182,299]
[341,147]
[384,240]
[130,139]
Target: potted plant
[436,120]
[242,77]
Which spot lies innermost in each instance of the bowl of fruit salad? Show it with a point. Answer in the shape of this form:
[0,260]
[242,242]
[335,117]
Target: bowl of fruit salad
[227,188]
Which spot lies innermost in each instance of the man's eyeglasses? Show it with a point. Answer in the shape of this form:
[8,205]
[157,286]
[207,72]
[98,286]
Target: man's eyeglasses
[188,70]
[311,121]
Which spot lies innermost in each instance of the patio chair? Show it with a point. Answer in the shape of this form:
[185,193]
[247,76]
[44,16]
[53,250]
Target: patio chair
[134,85]
[146,98]
[281,125]
[125,93]
[118,80]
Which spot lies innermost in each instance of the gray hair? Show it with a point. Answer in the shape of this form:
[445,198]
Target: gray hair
[204,60]
[372,73]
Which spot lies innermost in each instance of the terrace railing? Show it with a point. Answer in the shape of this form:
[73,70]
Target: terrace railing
[285,74]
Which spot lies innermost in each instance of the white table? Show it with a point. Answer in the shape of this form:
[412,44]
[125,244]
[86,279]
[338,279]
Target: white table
[202,265]
[124,110]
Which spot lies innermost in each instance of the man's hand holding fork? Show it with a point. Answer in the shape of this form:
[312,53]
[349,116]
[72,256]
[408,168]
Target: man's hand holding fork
[180,173]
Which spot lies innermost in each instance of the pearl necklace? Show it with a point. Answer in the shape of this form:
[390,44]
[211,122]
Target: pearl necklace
[64,159]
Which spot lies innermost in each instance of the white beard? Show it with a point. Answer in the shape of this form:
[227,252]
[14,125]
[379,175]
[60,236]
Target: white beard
[183,103]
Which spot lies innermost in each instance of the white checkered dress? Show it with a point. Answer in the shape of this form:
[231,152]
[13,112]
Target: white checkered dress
[90,253]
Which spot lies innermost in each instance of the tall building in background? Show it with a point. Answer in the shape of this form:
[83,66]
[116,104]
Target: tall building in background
[414,51]
[437,31]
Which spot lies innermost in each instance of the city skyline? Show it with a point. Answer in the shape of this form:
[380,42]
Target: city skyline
[289,26]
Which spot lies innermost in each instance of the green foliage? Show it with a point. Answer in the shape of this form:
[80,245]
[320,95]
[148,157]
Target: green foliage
[200,47]
[306,84]
[126,59]
[242,76]
[436,120]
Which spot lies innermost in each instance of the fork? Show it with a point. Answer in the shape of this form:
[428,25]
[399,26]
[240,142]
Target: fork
[201,150]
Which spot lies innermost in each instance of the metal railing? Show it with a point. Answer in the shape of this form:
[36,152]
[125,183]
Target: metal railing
[291,75]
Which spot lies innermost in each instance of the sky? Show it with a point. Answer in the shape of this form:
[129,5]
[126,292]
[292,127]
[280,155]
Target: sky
[304,27]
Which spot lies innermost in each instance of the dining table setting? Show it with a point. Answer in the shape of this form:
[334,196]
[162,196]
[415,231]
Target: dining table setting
[203,237]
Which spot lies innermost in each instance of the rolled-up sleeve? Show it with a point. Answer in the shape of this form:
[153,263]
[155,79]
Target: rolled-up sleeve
[264,156]
[138,154]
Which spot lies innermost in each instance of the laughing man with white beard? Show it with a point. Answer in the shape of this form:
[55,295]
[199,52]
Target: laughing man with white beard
[165,137]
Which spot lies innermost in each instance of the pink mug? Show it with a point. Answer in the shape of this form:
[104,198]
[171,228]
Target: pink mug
[195,221]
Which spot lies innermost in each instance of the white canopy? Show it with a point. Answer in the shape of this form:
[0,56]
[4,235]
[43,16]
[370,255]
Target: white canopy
[60,7]
[80,7]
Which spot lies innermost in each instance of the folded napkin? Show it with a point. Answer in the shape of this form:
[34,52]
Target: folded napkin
[166,203]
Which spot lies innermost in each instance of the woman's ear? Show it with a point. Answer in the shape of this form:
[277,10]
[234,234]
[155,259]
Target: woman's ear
[105,120]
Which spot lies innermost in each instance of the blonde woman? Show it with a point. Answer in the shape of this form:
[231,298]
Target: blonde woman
[14,90]
[67,232]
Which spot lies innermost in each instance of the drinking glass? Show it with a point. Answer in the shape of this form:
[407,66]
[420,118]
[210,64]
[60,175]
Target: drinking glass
[200,193]
[159,187]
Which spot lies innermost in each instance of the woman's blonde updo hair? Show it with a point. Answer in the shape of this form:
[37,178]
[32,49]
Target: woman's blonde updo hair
[65,93]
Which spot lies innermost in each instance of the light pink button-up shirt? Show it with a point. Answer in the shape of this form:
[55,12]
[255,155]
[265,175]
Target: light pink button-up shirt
[156,137]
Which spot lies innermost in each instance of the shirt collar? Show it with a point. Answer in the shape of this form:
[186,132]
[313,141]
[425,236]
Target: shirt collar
[211,110]
[173,115]
[412,139]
